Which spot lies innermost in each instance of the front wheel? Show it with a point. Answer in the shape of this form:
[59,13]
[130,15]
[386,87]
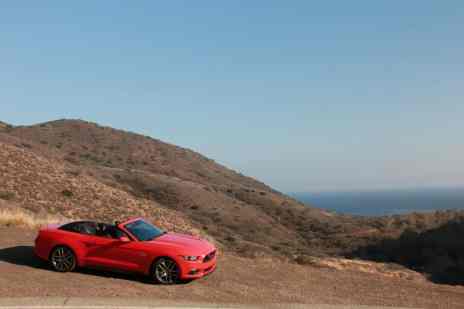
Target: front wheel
[166,271]
[63,259]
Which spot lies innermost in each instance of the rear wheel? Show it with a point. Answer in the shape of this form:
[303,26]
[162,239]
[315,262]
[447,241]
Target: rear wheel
[166,271]
[63,259]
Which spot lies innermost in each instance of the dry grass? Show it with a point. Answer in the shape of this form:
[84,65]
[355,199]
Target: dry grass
[383,269]
[23,218]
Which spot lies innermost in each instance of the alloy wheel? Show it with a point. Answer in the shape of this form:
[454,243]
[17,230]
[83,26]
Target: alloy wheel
[63,259]
[166,271]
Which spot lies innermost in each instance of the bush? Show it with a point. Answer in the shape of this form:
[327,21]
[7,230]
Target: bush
[7,196]
[67,193]
[21,217]
[305,260]
[437,252]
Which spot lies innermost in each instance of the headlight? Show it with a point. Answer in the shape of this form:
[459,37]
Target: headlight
[190,258]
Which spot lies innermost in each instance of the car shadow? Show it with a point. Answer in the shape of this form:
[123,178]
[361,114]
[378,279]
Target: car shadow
[21,255]
[24,256]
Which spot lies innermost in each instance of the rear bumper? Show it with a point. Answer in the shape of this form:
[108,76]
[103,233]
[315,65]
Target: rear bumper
[40,252]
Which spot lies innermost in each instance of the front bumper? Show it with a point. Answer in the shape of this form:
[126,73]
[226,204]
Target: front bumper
[191,270]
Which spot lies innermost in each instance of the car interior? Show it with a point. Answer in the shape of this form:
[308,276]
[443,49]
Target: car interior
[95,229]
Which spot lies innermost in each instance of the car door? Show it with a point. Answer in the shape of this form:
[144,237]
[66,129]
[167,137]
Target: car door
[113,253]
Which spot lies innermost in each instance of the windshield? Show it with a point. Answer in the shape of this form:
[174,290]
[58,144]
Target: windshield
[143,231]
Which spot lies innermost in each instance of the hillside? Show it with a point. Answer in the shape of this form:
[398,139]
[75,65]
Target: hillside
[80,169]
[49,186]
[87,143]
[436,252]
[244,214]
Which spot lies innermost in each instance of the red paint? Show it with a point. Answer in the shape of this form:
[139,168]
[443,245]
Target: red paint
[134,255]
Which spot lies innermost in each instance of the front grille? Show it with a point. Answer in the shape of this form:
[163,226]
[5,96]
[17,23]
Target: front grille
[209,257]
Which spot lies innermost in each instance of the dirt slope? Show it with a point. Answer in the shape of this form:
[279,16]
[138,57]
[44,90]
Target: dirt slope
[237,280]
[244,214]
[44,185]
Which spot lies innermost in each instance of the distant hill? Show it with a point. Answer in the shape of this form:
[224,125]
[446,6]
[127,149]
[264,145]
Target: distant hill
[86,143]
[4,126]
[112,173]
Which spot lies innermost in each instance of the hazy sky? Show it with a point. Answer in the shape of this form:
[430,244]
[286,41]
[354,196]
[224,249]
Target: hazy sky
[304,95]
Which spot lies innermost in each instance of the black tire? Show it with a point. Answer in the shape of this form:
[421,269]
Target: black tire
[62,259]
[165,271]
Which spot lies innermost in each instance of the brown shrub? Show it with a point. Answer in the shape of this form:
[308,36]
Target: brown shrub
[23,218]
[7,196]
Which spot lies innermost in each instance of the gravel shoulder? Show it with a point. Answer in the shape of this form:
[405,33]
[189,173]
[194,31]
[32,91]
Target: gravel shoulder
[238,281]
[144,303]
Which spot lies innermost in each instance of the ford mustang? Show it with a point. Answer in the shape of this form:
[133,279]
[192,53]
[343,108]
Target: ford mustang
[131,246]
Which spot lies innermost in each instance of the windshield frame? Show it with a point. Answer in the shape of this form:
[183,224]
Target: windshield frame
[155,231]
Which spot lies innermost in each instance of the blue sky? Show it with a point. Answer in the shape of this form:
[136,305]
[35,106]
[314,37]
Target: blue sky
[304,95]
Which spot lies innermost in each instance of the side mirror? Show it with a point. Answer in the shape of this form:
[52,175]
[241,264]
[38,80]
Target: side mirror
[124,239]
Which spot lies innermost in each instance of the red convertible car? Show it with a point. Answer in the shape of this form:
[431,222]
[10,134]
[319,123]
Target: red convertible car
[133,246]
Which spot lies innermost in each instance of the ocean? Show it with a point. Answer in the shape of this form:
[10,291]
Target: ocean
[380,203]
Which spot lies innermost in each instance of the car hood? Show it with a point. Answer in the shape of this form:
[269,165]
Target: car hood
[189,244]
